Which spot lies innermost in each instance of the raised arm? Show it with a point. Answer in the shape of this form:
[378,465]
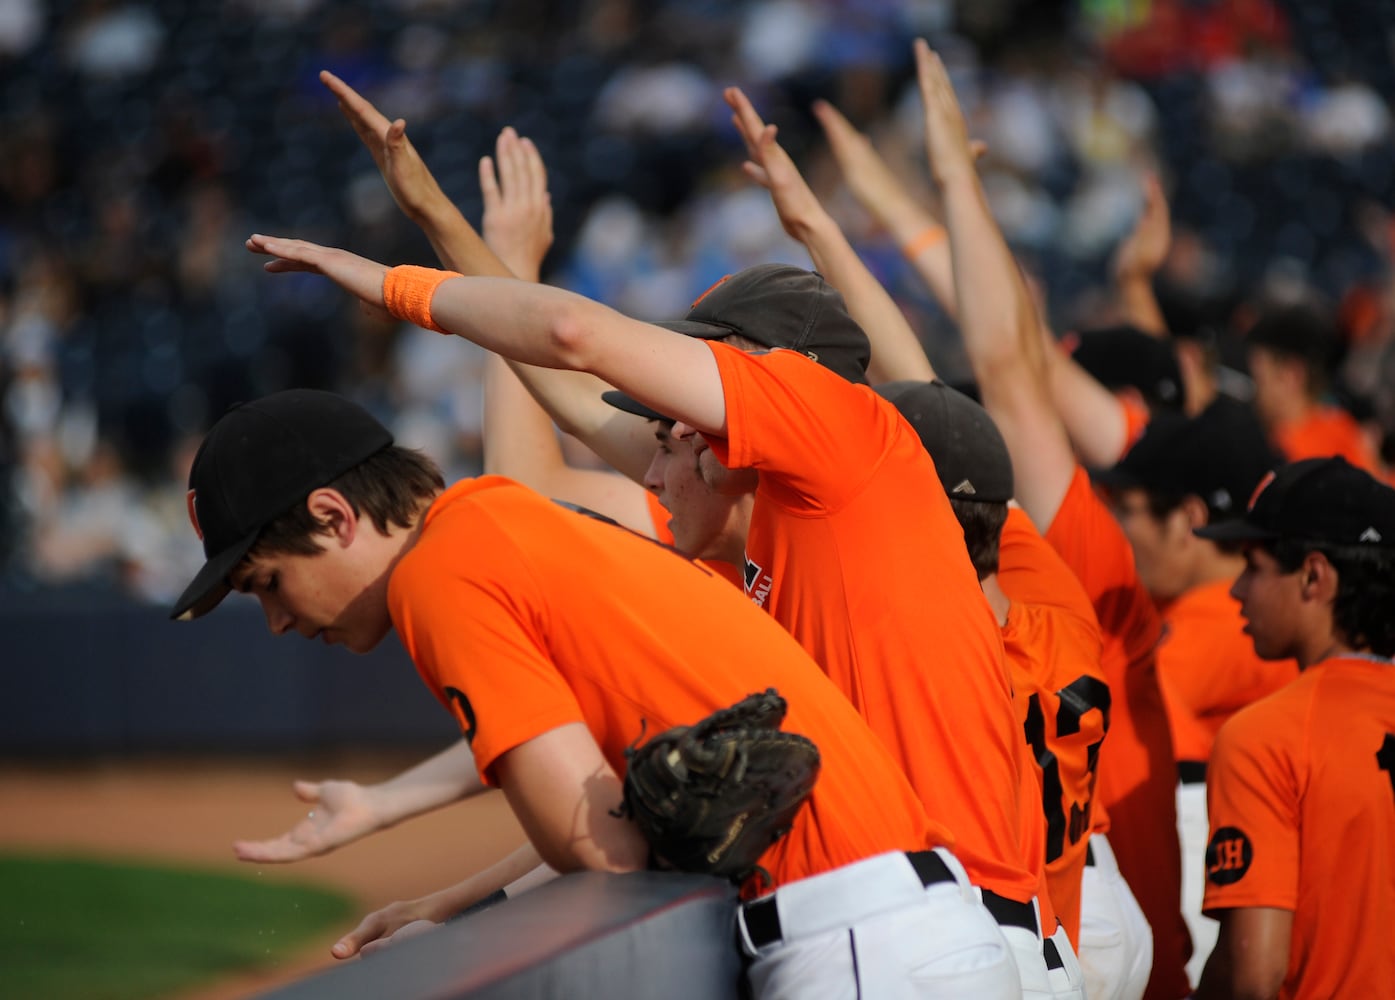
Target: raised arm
[343,811]
[896,351]
[534,324]
[997,316]
[1138,258]
[572,399]
[413,186]
[876,188]
[520,440]
[1095,418]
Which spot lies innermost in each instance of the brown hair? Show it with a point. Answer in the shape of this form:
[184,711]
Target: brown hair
[391,487]
[983,531]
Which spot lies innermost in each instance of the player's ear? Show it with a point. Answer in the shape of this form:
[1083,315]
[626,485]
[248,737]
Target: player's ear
[1318,577]
[1196,512]
[335,513]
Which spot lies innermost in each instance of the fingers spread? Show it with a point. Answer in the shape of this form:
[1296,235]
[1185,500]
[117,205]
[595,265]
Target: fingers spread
[489,183]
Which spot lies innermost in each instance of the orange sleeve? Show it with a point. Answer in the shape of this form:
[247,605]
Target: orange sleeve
[812,429]
[478,640]
[1136,417]
[1253,800]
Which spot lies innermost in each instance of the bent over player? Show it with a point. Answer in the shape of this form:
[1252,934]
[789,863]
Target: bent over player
[303,501]
[1300,867]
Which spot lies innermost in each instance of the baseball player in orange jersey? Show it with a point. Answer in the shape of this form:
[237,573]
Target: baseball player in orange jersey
[1300,868]
[1003,339]
[1290,350]
[302,501]
[1184,474]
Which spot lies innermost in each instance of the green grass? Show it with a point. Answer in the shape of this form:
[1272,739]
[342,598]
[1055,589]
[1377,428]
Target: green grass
[80,928]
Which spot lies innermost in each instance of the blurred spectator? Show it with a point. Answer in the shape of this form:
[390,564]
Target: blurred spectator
[145,138]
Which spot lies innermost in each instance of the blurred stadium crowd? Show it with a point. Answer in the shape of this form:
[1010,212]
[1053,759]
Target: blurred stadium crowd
[144,140]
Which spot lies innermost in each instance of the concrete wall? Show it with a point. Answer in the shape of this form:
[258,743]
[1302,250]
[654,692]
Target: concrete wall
[85,671]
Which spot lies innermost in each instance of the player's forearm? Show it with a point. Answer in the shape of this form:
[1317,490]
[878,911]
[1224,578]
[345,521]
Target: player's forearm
[916,231]
[458,246]
[519,439]
[995,309]
[1140,304]
[509,870]
[573,401]
[438,781]
[896,350]
[1093,417]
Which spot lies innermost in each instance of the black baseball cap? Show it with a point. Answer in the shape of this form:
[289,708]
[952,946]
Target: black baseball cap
[259,460]
[775,305]
[969,452]
[1123,356]
[1326,501]
[1220,455]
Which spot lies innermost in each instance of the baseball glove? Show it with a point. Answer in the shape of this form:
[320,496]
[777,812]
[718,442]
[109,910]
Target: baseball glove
[712,797]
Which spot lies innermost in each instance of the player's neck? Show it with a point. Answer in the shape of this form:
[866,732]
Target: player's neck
[1213,565]
[997,600]
[1331,647]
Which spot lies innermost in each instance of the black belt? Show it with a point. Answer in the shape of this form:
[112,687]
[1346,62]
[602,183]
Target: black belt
[1009,912]
[762,917]
[1090,854]
[1192,772]
[1052,954]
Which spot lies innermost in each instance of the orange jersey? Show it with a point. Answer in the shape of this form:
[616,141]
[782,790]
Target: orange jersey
[1326,430]
[1207,667]
[853,547]
[1137,769]
[489,605]
[1052,642]
[1301,794]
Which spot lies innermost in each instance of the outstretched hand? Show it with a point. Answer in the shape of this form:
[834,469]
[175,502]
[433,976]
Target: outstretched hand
[340,813]
[1145,248]
[412,185]
[517,207]
[947,145]
[771,167]
[356,275]
[864,171]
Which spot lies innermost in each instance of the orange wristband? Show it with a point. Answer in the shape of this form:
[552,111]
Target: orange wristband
[931,236]
[407,292]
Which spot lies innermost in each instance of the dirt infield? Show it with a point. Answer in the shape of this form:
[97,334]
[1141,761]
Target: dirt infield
[191,811]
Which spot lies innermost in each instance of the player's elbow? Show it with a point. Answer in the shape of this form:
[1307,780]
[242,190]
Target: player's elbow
[1258,981]
[616,857]
[573,341]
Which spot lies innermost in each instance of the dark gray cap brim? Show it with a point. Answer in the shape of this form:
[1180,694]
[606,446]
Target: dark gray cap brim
[629,404]
[1238,530]
[210,586]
